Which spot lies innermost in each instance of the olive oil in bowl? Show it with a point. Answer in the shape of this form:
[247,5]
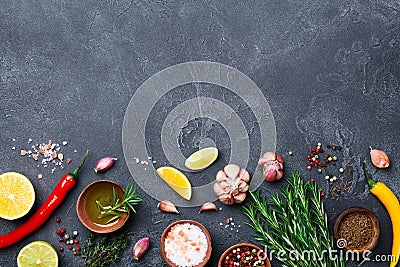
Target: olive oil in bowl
[88,211]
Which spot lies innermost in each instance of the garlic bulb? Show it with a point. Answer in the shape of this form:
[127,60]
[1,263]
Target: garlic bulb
[232,184]
[379,158]
[272,165]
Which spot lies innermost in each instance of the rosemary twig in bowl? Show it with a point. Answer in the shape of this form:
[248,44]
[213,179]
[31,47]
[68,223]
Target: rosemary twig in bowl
[294,224]
[131,198]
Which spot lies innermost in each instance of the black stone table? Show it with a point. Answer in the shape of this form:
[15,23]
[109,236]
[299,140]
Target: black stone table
[329,70]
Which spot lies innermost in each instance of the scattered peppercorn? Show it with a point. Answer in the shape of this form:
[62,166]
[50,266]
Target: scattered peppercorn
[61,239]
[63,230]
[58,232]
[58,220]
[61,249]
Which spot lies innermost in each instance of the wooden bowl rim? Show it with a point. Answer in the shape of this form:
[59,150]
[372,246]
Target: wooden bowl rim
[81,212]
[223,255]
[375,224]
[205,231]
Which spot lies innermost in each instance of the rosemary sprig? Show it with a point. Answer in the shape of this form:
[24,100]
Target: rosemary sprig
[131,198]
[105,251]
[294,224]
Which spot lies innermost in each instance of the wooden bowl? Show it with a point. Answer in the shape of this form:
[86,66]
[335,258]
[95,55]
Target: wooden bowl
[375,228]
[86,203]
[204,230]
[252,246]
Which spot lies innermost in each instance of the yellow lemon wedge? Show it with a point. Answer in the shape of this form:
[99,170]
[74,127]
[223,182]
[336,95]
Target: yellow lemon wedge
[176,180]
[201,159]
[37,254]
[17,195]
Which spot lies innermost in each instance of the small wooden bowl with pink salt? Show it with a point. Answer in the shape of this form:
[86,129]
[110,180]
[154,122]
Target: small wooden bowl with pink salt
[186,243]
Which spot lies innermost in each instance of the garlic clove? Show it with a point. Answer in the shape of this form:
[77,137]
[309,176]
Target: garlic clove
[244,175]
[243,186]
[227,199]
[239,198]
[270,175]
[232,170]
[141,247]
[208,206]
[104,164]
[167,206]
[218,190]
[379,158]
[221,176]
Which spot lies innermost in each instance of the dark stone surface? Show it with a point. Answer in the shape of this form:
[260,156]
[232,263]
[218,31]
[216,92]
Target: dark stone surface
[329,70]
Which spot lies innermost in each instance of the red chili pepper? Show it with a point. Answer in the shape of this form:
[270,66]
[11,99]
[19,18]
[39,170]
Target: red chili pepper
[66,183]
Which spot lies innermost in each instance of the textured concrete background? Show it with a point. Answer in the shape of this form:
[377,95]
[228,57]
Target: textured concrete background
[329,70]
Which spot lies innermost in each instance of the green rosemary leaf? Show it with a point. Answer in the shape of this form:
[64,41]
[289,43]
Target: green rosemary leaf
[293,221]
[114,218]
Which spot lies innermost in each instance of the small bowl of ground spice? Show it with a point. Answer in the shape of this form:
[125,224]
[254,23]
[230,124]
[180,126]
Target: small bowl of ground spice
[244,254]
[356,229]
[186,243]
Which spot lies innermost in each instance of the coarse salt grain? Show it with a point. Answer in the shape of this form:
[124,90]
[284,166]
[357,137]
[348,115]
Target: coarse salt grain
[186,245]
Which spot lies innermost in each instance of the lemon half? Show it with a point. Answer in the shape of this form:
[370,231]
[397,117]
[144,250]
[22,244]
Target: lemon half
[17,195]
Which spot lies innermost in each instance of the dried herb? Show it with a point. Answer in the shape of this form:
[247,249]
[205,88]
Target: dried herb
[101,252]
[292,222]
[357,229]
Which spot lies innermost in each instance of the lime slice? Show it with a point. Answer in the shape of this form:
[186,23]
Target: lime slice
[37,254]
[17,195]
[201,159]
[176,180]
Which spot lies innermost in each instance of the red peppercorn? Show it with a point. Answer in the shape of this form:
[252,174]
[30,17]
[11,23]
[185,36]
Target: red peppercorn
[58,220]
[78,248]
[308,156]
[309,168]
[322,193]
[317,151]
[320,164]
[312,180]
[63,230]
[70,247]
[61,249]
[76,241]
[58,232]
[312,150]
[61,239]
[312,163]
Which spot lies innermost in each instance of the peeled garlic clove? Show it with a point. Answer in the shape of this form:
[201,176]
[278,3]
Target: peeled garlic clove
[232,170]
[141,247]
[379,158]
[167,206]
[208,206]
[104,164]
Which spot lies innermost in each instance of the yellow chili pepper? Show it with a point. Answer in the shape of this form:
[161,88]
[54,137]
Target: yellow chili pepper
[391,203]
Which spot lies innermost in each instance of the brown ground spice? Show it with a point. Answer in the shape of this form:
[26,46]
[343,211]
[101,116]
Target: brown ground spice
[357,229]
